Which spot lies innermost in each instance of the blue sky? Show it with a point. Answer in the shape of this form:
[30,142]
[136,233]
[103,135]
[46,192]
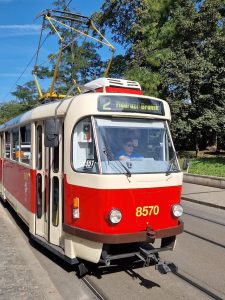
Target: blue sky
[19,34]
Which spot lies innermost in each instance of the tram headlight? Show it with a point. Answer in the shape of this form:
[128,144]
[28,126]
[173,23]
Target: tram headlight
[115,216]
[177,210]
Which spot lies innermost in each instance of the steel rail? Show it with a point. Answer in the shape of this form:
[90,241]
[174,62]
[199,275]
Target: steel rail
[205,219]
[196,285]
[204,239]
[93,288]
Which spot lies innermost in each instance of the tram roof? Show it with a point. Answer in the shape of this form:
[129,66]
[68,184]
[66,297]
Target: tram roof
[43,111]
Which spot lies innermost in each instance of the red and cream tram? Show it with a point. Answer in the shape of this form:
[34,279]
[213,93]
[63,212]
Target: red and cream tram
[61,170]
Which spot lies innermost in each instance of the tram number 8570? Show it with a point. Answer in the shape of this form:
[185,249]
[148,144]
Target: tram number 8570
[147,210]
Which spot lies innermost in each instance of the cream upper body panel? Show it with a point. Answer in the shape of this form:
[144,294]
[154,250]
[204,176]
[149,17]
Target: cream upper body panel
[79,106]
[86,105]
[121,181]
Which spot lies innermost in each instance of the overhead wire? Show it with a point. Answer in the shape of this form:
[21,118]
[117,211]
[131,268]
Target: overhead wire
[18,79]
[85,34]
[68,4]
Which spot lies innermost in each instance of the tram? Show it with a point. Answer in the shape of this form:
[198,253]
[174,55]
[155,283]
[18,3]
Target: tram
[61,170]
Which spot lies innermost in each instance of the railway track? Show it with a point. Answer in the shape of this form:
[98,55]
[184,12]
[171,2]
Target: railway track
[205,219]
[196,285]
[100,295]
[93,288]
[202,237]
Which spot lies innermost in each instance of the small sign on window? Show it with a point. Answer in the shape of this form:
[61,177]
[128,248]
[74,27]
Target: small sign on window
[89,164]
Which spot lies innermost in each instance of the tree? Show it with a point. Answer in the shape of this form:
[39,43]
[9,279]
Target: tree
[79,61]
[193,77]
[144,28]
[26,99]
[176,51]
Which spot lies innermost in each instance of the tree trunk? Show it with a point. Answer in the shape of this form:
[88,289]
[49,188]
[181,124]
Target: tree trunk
[213,144]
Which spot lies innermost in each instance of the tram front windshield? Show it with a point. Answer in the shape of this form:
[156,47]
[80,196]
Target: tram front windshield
[134,146]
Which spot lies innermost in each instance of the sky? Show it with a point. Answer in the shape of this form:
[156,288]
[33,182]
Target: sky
[19,35]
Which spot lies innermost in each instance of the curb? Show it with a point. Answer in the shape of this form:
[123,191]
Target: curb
[217,182]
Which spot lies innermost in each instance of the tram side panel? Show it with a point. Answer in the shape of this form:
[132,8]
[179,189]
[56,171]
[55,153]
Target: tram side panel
[1,171]
[20,183]
[1,163]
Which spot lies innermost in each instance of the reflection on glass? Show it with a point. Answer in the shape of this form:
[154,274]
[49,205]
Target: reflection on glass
[84,156]
[142,146]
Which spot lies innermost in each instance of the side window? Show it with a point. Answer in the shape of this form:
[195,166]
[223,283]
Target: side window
[39,196]
[25,144]
[84,158]
[39,148]
[15,144]
[7,144]
[1,143]
[55,204]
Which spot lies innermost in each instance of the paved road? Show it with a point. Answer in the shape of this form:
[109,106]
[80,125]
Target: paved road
[22,275]
[206,195]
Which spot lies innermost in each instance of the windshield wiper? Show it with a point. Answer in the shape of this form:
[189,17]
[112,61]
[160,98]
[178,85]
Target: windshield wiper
[110,156]
[171,164]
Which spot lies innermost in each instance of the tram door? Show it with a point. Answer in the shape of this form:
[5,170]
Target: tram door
[49,164]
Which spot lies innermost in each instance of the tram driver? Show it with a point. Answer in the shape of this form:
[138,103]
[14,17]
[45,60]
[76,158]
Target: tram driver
[128,151]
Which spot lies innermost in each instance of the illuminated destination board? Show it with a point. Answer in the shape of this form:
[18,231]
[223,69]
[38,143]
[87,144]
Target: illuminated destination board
[130,104]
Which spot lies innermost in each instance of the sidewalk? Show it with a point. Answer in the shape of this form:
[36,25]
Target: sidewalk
[207,195]
[22,277]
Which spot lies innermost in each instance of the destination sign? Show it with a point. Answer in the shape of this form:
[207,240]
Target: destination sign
[130,104]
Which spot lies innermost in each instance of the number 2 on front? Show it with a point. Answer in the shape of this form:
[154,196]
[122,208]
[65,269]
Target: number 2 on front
[143,211]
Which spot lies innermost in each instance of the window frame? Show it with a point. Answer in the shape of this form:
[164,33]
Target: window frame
[10,133]
[95,146]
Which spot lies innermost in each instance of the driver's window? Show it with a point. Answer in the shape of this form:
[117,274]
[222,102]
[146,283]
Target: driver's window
[84,158]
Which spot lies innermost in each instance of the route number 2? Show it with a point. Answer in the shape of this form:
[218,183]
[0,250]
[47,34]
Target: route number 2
[147,210]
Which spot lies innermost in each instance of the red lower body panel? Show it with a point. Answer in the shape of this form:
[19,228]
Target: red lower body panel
[20,182]
[140,208]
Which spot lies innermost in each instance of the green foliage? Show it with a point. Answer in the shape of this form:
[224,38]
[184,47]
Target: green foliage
[176,50]
[192,76]
[26,99]
[79,61]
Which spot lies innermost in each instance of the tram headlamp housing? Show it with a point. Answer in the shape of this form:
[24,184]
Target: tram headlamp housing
[115,216]
[177,210]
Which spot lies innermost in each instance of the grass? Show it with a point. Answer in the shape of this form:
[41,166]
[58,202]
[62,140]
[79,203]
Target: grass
[214,166]
[209,166]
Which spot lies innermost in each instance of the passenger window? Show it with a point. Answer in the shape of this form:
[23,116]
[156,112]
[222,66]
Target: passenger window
[39,196]
[25,144]
[15,144]
[56,159]
[84,156]
[55,204]
[39,148]
[1,145]
[7,145]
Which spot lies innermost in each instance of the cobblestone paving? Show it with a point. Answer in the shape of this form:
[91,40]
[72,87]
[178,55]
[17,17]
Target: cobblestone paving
[16,279]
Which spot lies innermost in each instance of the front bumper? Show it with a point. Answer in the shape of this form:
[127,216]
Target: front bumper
[142,236]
